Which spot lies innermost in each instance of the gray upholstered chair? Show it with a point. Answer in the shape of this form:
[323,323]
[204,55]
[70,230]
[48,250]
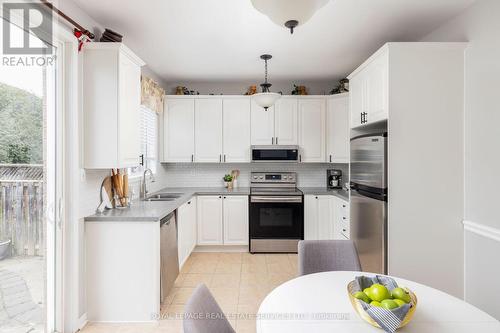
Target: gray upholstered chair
[327,255]
[204,315]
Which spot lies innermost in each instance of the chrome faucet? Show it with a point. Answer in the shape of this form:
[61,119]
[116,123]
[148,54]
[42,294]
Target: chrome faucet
[144,187]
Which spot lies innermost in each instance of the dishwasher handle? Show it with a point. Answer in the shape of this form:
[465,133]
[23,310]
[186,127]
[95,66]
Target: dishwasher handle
[167,219]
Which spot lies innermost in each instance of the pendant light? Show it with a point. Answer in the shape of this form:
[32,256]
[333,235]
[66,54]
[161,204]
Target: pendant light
[266,98]
[289,13]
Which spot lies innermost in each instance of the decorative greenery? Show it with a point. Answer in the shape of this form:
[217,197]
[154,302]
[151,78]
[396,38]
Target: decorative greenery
[21,126]
[228,178]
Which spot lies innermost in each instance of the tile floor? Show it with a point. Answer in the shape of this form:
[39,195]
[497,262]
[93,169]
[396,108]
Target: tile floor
[238,281]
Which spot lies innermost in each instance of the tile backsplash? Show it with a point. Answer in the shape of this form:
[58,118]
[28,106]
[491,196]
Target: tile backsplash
[209,175]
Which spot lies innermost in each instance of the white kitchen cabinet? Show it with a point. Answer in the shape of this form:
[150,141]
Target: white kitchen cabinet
[187,230]
[208,130]
[286,121]
[325,217]
[369,90]
[236,130]
[178,126]
[341,225]
[318,217]
[112,90]
[235,211]
[262,125]
[209,220]
[337,131]
[312,129]
[209,215]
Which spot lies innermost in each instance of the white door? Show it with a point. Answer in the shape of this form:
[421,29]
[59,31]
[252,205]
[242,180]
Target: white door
[356,100]
[235,219]
[209,215]
[377,89]
[338,129]
[325,217]
[312,140]
[310,217]
[236,130]
[208,130]
[193,225]
[182,233]
[186,229]
[262,125]
[129,100]
[178,124]
[286,121]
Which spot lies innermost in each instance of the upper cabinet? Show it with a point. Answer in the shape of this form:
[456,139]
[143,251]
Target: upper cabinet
[337,131]
[312,129]
[262,125]
[178,127]
[286,122]
[112,97]
[208,130]
[221,129]
[369,87]
[236,130]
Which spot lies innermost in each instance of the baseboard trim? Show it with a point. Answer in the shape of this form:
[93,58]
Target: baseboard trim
[221,248]
[482,230]
[82,321]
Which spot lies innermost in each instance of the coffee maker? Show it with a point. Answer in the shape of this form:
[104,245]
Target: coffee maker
[334,178]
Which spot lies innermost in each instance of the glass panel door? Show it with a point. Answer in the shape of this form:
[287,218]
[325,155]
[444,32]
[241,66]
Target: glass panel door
[30,190]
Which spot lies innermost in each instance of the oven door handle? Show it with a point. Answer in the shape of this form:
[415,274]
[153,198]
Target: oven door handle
[284,199]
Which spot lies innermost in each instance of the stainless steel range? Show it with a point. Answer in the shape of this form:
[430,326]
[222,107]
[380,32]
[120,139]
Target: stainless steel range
[276,212]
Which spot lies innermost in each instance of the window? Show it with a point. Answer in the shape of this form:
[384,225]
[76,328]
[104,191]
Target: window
[148,134]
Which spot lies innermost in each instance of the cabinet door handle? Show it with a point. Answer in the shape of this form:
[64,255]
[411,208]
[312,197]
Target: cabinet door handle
[276,140]
[343,206]
[272,140]
[316,197]
[344,218]
[220,196]
[361,117]
[330,158]
[189,202]
[192,158]
[344,230]
[220,158]
[224,197]
[300,158]
[224,158]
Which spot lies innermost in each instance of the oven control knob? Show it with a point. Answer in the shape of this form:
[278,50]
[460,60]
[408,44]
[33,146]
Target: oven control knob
[285,177]
[261,177]
[255,177]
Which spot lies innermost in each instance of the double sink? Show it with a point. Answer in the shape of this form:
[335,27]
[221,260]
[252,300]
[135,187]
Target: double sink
[163,196]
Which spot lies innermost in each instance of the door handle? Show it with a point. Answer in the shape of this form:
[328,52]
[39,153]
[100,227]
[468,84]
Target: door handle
[220,158]
[300,158]
[276,140]
[224,158]
[192,158]
[272,140]
[330,158]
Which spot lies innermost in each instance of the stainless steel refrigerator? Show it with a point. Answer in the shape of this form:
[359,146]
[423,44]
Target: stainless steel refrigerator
[369,200]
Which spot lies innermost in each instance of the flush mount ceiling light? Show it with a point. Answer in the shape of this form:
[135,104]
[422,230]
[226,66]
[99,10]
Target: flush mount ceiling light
[266,98]
[289,13]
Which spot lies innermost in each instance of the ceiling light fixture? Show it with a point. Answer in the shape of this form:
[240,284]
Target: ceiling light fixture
[289,13]
[266,98]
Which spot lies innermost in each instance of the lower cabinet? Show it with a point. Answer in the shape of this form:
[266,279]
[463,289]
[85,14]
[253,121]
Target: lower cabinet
[325,217]
[222,220]
[186,226]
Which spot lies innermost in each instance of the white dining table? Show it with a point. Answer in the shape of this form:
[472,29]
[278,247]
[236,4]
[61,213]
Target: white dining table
[319,302]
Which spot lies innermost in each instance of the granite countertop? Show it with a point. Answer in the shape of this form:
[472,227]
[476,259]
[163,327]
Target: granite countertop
[152,211]
[340,193]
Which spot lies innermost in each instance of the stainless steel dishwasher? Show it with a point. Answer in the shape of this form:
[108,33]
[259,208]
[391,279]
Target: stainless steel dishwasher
[168,254]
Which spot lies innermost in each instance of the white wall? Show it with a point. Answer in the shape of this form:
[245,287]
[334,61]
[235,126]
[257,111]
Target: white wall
[480,26]
[239,87]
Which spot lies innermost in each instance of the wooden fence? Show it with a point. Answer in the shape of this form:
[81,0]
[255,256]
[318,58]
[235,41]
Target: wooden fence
[21,216]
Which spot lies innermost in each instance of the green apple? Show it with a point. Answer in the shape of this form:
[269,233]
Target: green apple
[375,303]
[362,296]
[400,293]
[399,302]
[378,292]
[366,290]
[389,304]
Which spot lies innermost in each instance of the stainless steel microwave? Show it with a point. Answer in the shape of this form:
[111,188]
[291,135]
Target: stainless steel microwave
[275,153]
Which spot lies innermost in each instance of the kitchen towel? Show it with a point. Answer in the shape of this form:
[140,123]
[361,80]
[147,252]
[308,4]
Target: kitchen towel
[389,320]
